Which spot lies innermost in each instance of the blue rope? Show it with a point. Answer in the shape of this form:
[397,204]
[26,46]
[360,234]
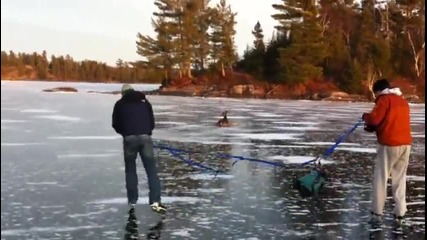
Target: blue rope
[176,153]
[340,139]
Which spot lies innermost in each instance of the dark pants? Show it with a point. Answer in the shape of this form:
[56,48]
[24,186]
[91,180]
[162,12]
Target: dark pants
[142,144]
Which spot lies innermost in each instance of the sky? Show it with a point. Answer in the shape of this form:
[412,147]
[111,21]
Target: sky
[104,30]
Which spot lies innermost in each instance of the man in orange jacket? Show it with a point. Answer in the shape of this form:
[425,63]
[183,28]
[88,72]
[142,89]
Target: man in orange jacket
[390,120]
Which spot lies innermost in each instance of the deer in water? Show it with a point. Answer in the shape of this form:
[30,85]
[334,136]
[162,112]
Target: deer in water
[223,122]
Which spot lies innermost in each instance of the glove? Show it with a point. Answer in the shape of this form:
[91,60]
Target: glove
[364,116]
[369,128]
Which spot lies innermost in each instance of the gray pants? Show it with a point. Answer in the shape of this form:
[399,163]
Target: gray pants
[394,161]
[142,144]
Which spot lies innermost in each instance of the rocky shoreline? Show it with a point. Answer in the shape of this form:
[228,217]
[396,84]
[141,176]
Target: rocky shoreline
[250,91]
[236,92]
[244,91]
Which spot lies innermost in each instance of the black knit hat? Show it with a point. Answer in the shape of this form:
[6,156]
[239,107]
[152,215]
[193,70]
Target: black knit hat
[380,85]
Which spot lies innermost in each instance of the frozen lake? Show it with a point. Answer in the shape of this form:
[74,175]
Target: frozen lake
[62,170]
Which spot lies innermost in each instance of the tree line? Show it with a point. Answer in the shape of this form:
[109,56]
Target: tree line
[191,36]
[66,68]
[348,43]
[345,42]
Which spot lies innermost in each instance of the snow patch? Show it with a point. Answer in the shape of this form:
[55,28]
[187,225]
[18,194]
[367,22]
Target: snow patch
[59,118]
[204,176]
[183,232]
[19,232]
[88,155]
[361,150]
[86,137]
[20,144]
[38,111]
[268,136]
[42,183]
[298,159]
[12,121]
[325,143]
[300,128]
[415,178]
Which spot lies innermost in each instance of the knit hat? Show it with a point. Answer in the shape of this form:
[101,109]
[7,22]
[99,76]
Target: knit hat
[126,87]
[380,85]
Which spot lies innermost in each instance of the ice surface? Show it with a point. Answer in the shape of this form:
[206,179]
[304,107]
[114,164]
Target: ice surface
[62,169]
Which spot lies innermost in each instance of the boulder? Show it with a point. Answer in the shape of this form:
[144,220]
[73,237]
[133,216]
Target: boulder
[412,98]
[61,89]
[248,89]
[334,95]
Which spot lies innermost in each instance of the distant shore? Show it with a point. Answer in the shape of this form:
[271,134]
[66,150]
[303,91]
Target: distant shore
[248,91]
[327,96]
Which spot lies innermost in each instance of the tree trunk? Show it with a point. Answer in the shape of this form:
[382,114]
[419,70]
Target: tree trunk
[202,64]
[416,54]
[371,75]
[222,70]
[165,81]
[188,69]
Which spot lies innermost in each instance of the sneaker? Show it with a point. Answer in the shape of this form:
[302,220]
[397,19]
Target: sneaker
[376,222]
[398,223]
[132,205]
[158,208]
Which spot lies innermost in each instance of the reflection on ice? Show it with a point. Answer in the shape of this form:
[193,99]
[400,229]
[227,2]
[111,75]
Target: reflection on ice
[144,200]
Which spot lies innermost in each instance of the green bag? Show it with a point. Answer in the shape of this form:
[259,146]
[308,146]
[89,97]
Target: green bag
[310,184]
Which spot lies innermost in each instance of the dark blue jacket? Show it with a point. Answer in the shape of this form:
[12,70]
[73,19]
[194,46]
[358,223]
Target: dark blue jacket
[133,115]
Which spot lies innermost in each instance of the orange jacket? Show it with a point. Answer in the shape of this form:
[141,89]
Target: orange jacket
[391,119]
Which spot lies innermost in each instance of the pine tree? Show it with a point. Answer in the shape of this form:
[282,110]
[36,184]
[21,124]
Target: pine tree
[271,59]
[222,36]
[302,59]
[160,52]
[253,57]
[201,38]
[4,59]
[259,38]
[371,54]
[337,25]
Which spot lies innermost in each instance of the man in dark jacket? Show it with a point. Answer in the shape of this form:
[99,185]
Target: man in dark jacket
[133,118]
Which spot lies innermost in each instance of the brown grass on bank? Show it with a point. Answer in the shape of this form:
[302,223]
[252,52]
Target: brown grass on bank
[276,90]
[406,86]
[12,73]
